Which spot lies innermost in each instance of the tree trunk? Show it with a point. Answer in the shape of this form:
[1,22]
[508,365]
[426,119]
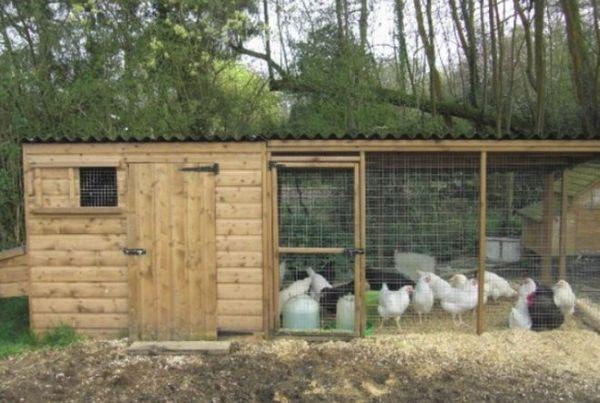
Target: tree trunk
[584,78]
[363,24]
[540,65]
[435,82]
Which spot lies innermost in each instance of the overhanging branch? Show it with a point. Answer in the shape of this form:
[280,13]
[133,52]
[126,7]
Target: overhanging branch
[289,83]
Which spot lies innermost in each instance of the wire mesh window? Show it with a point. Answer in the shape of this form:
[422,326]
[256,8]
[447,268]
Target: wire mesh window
[309,305]
[98,187]
[316,207]
[316,210]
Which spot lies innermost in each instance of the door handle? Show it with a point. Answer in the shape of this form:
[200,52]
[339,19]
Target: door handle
[134,251]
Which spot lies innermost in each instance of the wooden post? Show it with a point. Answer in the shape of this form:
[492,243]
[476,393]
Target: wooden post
[482,238]
[275,243]
[363,241]
[547,228]
[564,206]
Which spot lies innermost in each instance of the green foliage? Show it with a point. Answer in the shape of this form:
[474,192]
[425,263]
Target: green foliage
[15,336]
[120,69]
[60,336]
[345,102]
[11,223]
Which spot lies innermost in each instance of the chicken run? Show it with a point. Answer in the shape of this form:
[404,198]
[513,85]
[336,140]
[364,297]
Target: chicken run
[421,254]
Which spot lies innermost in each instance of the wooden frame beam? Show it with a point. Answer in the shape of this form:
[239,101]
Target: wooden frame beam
[547,229]
[482,241]
[523,146]
[562,240]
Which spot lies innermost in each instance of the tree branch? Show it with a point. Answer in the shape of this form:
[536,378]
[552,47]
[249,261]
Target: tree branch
[288,83]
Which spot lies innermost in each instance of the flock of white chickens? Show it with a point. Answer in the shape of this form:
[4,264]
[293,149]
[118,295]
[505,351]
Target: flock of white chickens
[457,296]
[460,295]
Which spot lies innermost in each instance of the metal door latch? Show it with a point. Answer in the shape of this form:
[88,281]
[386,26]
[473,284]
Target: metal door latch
[134,251]
[354,251]
[214,168]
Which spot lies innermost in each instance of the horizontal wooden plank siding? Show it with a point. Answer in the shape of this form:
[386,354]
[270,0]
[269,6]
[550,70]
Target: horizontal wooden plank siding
[79,272]
[14,273]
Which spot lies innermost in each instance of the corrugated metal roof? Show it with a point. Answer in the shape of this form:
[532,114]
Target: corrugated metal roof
[283,135]
[581,177]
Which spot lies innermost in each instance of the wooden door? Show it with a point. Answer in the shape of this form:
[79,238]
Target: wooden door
[172,287]
[317,220]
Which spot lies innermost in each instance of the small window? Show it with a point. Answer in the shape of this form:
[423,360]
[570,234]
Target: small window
[98,187]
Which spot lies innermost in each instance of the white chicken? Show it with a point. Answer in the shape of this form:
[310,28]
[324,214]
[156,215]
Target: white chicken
[298,287]
[458,280]
[439,286]
[392,304]
[519,317]
[564,297]
[317,283]
[409,264]
[423,295]
[460,300]
[497,287]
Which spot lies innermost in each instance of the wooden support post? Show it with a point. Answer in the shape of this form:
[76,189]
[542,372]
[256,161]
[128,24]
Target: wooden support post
[275,244]
[363,242]
[547,228]
[482,239]
[564,206]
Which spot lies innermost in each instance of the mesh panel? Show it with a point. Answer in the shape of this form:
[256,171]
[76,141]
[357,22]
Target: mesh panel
[524,239]
[422,215]
[98,187]
[316,207]
[316,210]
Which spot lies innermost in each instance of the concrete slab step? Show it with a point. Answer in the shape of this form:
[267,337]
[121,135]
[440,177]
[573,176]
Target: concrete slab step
[179,347]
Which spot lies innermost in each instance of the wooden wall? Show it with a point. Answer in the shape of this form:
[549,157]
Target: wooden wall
[14,273]
[78,269]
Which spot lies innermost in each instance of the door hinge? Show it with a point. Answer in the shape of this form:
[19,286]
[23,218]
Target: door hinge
[134,251]
[354,251]
[275,164]
[214,168]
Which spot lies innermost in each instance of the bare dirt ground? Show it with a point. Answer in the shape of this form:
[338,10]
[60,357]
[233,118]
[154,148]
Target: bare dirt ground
[443,366]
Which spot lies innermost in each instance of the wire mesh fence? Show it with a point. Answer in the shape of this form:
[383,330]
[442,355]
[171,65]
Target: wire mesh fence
[316,210]
[422,239]
[422,216]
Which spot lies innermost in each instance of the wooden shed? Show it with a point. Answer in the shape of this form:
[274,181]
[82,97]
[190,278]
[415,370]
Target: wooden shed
[183,238]
[583,214]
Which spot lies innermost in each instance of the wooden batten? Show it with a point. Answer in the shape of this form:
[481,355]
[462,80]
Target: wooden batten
[562,238]
[482,241]
[547,229]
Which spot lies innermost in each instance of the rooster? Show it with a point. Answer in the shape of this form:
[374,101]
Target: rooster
[544,313]
[564,297]
[392,304]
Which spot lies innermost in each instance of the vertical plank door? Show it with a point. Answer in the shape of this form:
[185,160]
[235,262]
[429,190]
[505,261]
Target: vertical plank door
[172,287]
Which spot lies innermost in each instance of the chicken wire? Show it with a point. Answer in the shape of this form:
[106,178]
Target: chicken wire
[524,236]
[422,213]
[315,210]
[98,187]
